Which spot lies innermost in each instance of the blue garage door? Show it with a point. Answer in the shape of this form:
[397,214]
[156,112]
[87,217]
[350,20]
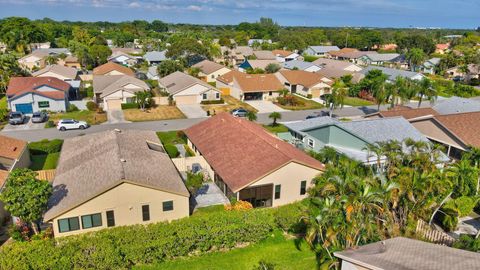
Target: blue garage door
[24,108]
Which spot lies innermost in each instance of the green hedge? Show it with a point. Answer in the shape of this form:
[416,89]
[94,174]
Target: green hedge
[126,106]
[207,102]
[172,150]
[44,147]
[124,247]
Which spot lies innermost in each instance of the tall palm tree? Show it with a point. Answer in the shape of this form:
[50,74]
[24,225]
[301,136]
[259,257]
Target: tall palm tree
[275,116]
[426,90]
[339,93]
[415,57]
[251,116]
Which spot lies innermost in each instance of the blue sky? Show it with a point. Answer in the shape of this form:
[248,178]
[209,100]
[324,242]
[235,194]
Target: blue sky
[379,13]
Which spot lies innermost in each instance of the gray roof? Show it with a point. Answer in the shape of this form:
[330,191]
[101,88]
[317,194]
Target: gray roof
[301,65]
[64,71]
[456,105]
[264,55]
[107,84]
[179,81]
[392,72]
[324,49]
[333,64]
[432,62]
[155,56]
[383,57]
[405,254]
[92,164]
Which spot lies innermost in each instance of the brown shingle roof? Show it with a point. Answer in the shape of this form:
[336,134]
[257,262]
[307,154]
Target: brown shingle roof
[3,177]
[342,51]
[407,112]
[466,126]
[92,164]
[11,148]
[302,77]
[252,82]
[208,67]
[64,71]
[282,53]
[264,55]
[21,85]
[241,152]
[110,66]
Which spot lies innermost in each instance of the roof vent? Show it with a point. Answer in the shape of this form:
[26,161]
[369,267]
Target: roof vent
[123,160]
[14,149]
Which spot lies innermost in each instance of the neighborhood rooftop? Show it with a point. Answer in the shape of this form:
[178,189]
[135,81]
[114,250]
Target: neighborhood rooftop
[178,81]
[92,164]
[67,72]
[109,67]
[456,105]
[19,86]
[393,73]
[208,67]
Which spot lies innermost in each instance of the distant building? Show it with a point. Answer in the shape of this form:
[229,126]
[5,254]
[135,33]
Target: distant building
[320,51]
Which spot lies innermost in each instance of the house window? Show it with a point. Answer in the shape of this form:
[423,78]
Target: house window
[110,218]
[278,188]
[167,206]
[270,93]
[217,95]
[310,143]
[204,96]
[145,212]
[43,104]
[68,224]
[303,187]
[213,76]
[90,221]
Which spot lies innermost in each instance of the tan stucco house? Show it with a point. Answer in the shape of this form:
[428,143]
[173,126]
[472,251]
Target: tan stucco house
[111,68]
[57,71]
[209,71]
[114,178]
[250,86]
[250,164]
[113,90]
[187,90]
[308,84]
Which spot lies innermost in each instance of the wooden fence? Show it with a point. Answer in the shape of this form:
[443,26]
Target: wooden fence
[433,235]
[46,175]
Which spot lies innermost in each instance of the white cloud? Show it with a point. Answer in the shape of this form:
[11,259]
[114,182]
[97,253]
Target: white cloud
[194,8]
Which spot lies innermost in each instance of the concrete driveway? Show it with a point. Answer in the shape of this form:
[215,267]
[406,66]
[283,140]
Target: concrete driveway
[264,106]
[115,116]
[28,125]
[192,111]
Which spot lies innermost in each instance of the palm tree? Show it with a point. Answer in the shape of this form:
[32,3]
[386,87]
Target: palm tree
[275,116]
[339,93]
[142,98]
[415,57]
[251,116]
[475,157]
[51,60]
[426,90]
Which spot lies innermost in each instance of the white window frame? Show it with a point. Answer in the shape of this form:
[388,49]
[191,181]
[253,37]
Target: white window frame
[204,96]
[310,143]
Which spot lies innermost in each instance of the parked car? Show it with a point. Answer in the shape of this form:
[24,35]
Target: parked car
[240,112]
[16,118]
[65,124]
[39,117]
[317,114]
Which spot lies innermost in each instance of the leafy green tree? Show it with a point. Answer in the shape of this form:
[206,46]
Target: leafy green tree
[275,116]
[158,26]
[168,67]
[194,71]
[415,57]
[8,68]
[272,68]
[143,98]
[99,54]
[25,196]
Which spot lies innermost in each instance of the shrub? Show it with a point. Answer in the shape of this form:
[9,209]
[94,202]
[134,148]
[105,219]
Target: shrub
[208,102]
[189,151]
[90,93]
[194,182]
[288,217]
[49,124]
[238,206]
[3,114]
[290,100]
[309,96]
[72,108]
[463,204]
[126,106]
[45,147]
[468,242]
[92,106]
[171,150]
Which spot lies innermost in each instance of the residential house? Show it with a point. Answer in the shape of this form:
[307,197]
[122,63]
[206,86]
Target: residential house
[456,105]
[472,72]
[301,65]
[285,56]
[155,57]
[442,48]
[111,68]
[39,45]
[14,154]
[70,61]
[250,164]
[429,66]
[352,56]
[114,178]
[382,59]
[113,90]
[186,90]
[130,51]
[57,71]
[33,94]
[307,84]
[327,63]
[123,59]
[389,47]
[320,51]
[209,71]
[250,86]
[393,73]
[253,42]
[404,253]
[240,53]
[337,54]
[264,55]
[350,138]
[37,58]
[256,64]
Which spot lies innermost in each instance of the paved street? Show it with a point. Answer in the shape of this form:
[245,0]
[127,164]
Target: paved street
[176,124]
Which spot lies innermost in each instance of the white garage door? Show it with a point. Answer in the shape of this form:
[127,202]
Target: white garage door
[186,100]
[114,104]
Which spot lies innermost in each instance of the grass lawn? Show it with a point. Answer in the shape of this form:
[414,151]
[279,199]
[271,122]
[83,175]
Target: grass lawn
[283,253]
[279,128]
[355,101]
[230,104]
[170,137]
[308,104]
[92,118]
[160,112]
[44,162]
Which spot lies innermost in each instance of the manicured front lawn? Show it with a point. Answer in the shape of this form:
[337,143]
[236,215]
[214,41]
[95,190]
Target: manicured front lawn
[92,118]
[230,104]
[304,104]
[355,101]
[279,128]
[171,137]
[44,162]
[283,253]
[160,112]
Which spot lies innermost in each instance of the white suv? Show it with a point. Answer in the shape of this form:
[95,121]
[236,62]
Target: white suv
[65,124]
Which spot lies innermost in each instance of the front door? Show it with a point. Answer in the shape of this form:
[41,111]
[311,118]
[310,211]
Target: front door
[260,196]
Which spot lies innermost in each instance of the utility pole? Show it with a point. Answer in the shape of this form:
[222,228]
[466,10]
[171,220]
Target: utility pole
[346,41]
